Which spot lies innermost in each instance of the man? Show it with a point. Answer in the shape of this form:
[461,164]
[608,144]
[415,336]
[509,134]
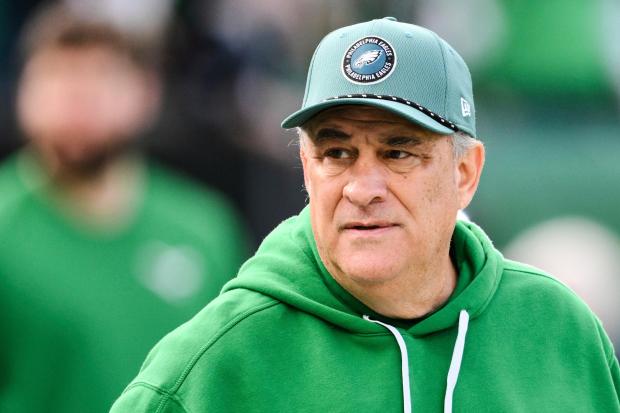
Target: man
[101,251]
[375,298]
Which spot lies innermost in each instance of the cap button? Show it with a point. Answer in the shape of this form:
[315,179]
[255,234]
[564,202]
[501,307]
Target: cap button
[393,19]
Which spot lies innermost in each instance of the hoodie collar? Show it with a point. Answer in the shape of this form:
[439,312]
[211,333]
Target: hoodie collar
[288,267]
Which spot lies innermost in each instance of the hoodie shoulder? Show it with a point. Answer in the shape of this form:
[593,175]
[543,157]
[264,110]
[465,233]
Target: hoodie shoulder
[534,290]
[529,277]
[543,298]
[536,277]
[176,355]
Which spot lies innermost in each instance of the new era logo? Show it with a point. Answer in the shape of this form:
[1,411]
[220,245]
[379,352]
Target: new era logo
[465,108]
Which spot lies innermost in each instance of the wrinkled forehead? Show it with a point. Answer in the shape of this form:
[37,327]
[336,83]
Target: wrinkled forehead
[362,117]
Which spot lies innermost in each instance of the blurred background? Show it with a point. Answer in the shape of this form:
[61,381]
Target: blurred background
[547,86]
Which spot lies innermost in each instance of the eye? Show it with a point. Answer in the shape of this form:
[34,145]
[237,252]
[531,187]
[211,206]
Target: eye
[337,153]
[396,154]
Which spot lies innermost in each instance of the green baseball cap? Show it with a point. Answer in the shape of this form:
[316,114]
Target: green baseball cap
[400,67]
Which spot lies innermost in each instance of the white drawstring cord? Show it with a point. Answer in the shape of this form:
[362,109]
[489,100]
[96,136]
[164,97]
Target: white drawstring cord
[404,362]
[455,364]
[457,357]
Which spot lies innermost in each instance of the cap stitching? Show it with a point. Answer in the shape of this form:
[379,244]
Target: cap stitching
[407,102]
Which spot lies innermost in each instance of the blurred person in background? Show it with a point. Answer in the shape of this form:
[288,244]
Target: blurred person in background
[101,250]
[199,100]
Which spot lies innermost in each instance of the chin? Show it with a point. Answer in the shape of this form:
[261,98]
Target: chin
[369,270]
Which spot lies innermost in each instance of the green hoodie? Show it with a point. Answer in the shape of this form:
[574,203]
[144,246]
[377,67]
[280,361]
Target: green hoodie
[285,337]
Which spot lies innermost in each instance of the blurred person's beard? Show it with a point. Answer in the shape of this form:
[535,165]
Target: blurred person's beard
[89,166]
[82,163]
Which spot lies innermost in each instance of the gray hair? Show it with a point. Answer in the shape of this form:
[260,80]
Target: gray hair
[461,143]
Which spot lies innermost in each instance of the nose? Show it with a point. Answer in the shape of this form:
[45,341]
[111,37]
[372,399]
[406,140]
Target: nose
[367,184]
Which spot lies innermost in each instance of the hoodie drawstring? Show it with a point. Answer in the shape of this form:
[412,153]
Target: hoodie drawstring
[455,363]
[457,357]
[404,362]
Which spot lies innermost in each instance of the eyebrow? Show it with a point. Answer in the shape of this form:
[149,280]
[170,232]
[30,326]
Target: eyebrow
[401,140]
[325,134]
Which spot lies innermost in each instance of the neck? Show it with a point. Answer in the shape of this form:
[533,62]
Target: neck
[412,296]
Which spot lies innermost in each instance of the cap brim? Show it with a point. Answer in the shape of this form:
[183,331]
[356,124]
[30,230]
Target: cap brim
[303,115]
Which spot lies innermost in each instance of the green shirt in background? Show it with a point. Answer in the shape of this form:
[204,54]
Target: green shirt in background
[80,308]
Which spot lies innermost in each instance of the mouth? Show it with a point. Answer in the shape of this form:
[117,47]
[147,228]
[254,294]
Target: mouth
[368,226]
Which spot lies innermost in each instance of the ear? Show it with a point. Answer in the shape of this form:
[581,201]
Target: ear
[469,168]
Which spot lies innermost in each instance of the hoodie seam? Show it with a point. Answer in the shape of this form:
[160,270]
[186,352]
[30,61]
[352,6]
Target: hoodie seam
[198,355]
[166,395]
[611,358]
[608,348]
[539,274]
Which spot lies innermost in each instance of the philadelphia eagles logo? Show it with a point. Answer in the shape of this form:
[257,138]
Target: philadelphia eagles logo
[368,60]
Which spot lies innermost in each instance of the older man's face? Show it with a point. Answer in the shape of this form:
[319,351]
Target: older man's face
[384,193]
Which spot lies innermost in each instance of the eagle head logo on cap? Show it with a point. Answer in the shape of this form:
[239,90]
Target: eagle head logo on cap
[368,60]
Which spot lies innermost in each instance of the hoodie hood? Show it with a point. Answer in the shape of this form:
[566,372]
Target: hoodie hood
[288,268]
